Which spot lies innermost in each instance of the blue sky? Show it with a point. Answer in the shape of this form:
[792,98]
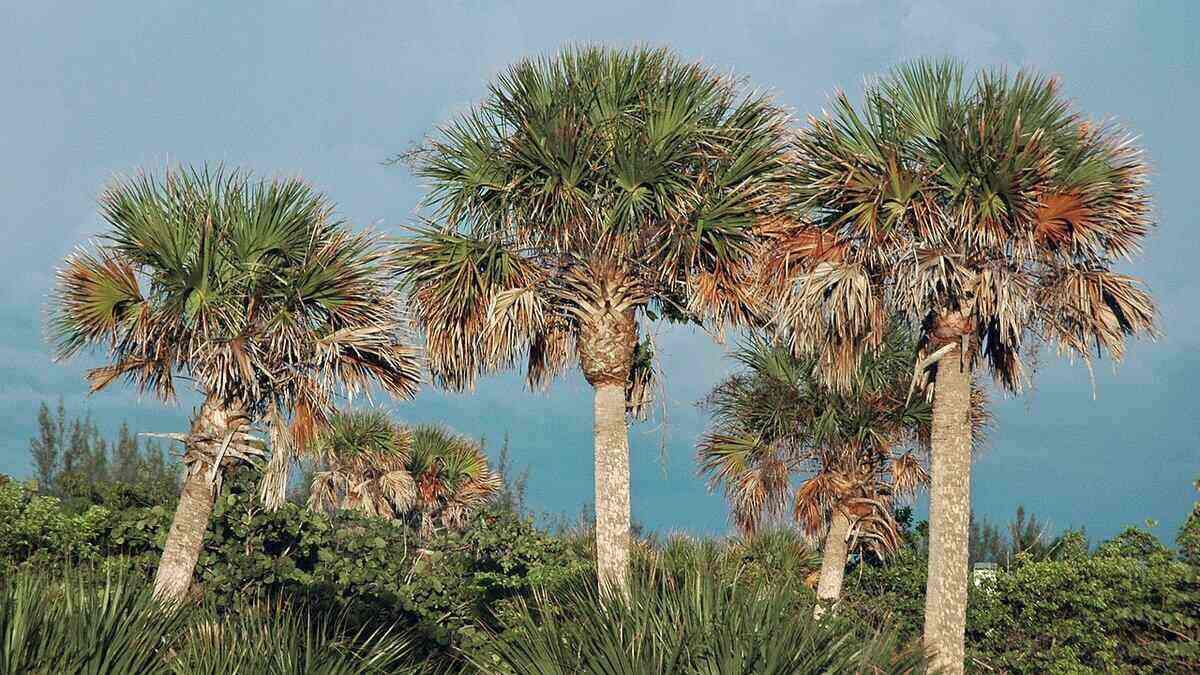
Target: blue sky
[329,90]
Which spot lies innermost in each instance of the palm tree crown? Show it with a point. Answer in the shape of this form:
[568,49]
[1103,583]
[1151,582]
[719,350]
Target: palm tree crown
[250,289]
[990,214]
[987,212]
[595,182]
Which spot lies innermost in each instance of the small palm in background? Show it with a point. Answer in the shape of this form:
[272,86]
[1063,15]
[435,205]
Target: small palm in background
[424,474]
[854,453]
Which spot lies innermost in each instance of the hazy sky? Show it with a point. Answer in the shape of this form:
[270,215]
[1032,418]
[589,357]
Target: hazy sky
[330,90]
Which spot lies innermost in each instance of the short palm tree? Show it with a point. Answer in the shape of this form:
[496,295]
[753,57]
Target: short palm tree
[854,452]
[253,292]
[988,213]
[591,191]
[424,474]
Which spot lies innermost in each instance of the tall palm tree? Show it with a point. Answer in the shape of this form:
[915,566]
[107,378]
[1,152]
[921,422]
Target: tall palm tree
[253,292]
[425,474]
[855,452]
[990,214]
[590,192]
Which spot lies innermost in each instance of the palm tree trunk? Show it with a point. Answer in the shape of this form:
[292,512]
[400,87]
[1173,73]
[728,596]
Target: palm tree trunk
[185,540]
[612,486]
[949,515]
[605,346]
[833,563]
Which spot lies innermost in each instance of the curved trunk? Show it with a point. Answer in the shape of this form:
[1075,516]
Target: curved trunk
[185,540]
[833,563]
[949,515]
[612,486]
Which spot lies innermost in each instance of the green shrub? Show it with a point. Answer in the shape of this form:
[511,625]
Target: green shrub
[113,625]
[692,623]
[1106,613]
[1188,540]
[273,637]
[35,530]
[82,625]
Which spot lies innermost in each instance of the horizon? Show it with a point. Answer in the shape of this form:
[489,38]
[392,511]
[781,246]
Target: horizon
[310,93]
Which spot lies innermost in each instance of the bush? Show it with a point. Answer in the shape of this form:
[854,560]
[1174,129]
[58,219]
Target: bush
[36,531]
[1106,612]
[114,625]
[502,584]
[693,623]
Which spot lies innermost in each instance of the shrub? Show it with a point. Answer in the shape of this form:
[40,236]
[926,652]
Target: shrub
[35,530]
[1107,612]
[113,625]
[82,625]
[689,624]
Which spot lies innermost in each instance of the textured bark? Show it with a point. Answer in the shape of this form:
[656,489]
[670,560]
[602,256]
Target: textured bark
[949,515]
[833,563]
[606,344]
[612,487]
[186,537]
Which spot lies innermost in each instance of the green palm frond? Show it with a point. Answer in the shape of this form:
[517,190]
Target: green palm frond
[425,473]
[782,438]
[586,167]
[990,198]
[250,288]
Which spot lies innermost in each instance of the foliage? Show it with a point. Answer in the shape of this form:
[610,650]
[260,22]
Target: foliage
[693,624]
[986,210]
[73,461]
[1189,535]
[775,423]
[513,483]
[114,625]
[1107,612]
[272,637]
[425,474]
[37,530]
[592,187]
[496,591]
[251,289]
[109,625]
[1024,539]
[769,557]
[1130,606]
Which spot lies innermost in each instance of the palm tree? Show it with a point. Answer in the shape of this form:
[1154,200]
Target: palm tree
[253,292]
[590,192]
[988,213]
[856,452]
[424,474]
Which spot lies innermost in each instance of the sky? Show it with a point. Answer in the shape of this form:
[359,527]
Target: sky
[328,91]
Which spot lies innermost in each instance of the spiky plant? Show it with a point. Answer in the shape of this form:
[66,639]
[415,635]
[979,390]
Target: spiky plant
[425,474]
[782,442]
[590,192]
[688,621]
[253,292]
[990,214]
